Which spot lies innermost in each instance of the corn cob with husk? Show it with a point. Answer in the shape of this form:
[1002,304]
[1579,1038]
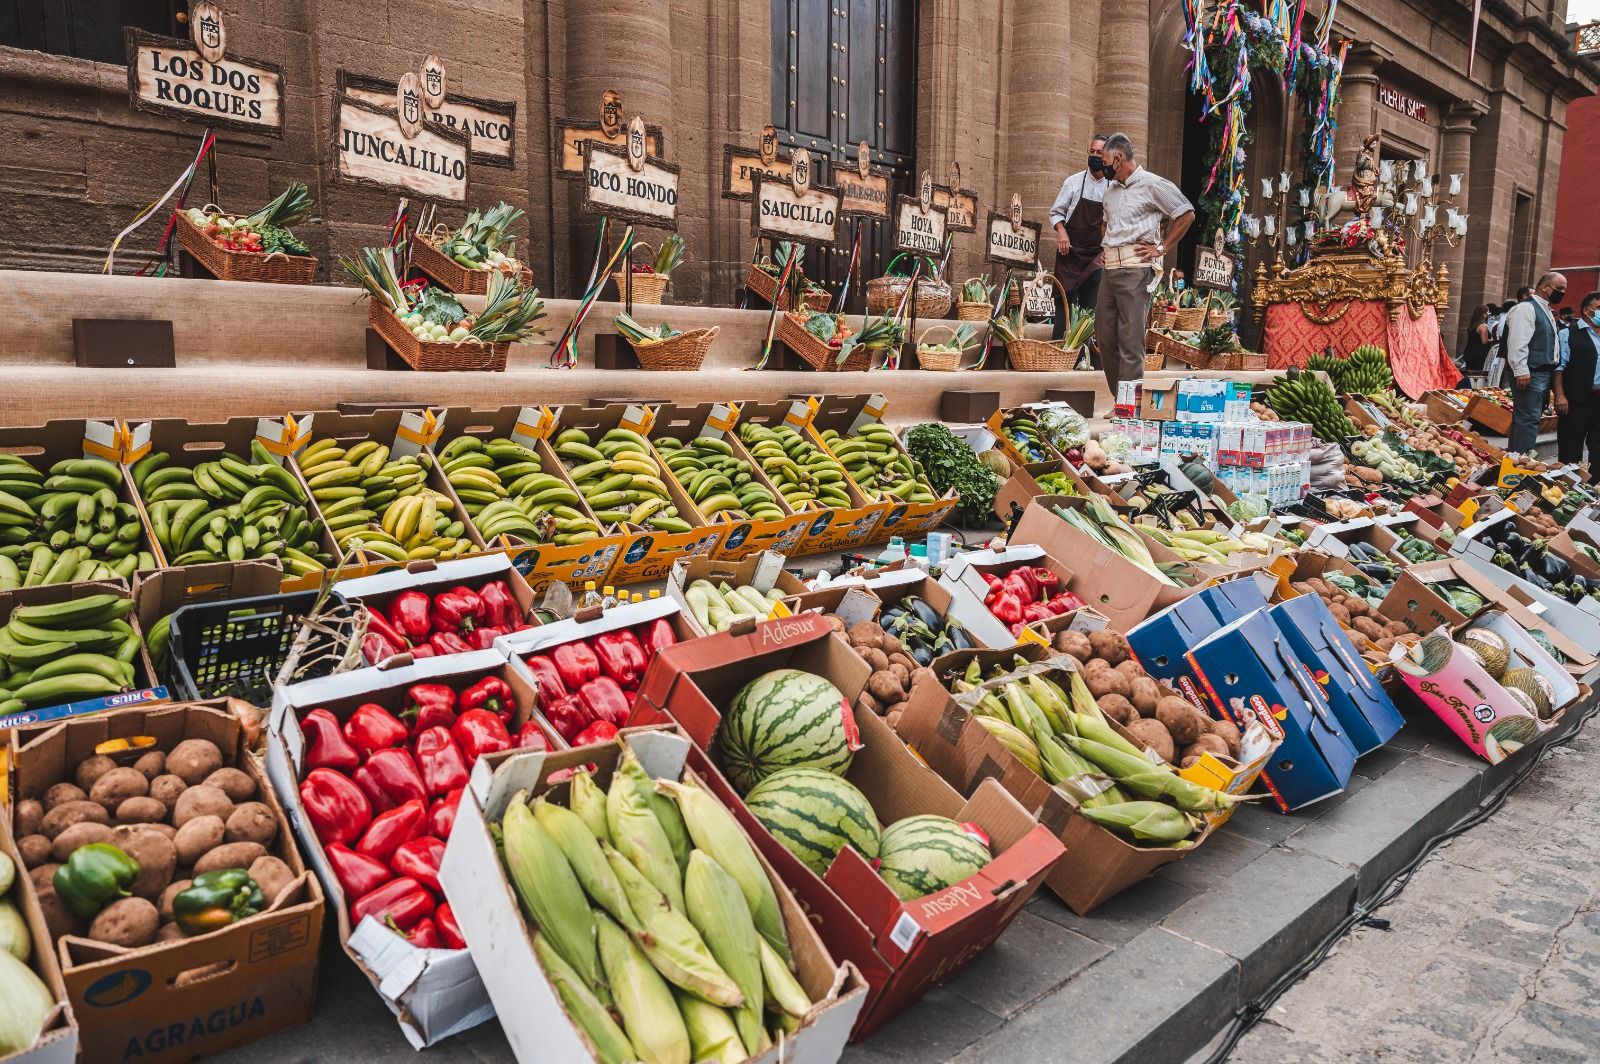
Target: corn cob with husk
[1143,776]
[712,1034]
[670,940]
[650,1014]
[587,800]
[583,851]
[718,910]
[549,890]
[1145,821]
[664,808]
[1100,522]
[610,1043]
[638,835]
[783,989]
[1013,739]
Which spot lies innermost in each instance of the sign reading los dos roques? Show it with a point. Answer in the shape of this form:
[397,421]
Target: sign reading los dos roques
[626,183]
[1011,241]
[795,207]
[200,79]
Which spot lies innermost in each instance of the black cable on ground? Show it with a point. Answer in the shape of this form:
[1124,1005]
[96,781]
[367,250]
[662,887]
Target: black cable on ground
[1361,913]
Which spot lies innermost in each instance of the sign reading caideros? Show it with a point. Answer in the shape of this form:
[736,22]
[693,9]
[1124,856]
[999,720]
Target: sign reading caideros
[784,211]
[917,229]
[371,150]
[170,77]
[864,190]
[1012,241]
[643,190]
[490,125]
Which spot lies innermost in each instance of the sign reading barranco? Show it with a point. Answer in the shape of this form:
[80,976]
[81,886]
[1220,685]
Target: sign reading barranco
[372,150]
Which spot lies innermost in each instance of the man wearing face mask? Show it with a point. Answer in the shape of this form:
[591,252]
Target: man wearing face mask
[1532,354]
[1076,217]
[1136,205]
[1577,388]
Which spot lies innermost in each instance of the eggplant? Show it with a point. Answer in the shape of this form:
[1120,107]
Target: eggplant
[1375,571]
[1554,567]
[924,612]
[920,651]
[959,637]
[1534,578]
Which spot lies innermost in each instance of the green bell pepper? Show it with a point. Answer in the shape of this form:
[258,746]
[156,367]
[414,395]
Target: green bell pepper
[216,899]
[93,876]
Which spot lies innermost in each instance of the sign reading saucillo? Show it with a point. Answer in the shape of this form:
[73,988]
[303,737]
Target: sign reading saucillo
[795,208]
[371,150]
[168,76]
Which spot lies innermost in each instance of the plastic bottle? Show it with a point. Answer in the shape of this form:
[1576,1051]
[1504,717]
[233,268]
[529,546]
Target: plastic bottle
[610,598]
[893,552]
[591,597]
[655,593]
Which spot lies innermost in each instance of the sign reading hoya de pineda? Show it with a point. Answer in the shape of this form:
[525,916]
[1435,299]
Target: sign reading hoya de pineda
[642,190]
[371,150]
[170,77]
[918,230]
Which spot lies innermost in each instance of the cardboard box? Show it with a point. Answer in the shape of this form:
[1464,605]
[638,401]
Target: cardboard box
[158,593]
[763,572]
[903,948]
[58,1039]
[530,1012]
[1161,644]
[1414,602]
[1158,401]
[1489,414]
[1580,622]
[435,577]
[964,580]
[1120,589]
[1336,538]
[850,601]
[540,563]
[1022,487]
[846,414]
[176,1000]
[1360,705]
[1000,422]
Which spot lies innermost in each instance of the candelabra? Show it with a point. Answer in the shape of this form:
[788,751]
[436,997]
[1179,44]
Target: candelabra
[1272,229]
[1409,202]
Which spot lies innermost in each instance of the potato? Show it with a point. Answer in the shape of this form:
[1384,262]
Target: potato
[1340,614]
[835,622]
[1109,645]
[166,830]
[1095,665]
[120,783]
[127,922]
[1131,669]
[893,719]
[176,887]
[233,782]
[62,793]
[231,855]
[900,658]
[34,850]
[1152,734]
[197,837]
[891,646]
[866,634]
[1368,627]
[271,875]
[1182,720]
[1207,744]
[193,760]
[1229,733]
[80,834]
[151,764]
[1074,643]
[157,856]
[876,659]
[67,814]
[143,810]
[1396,628]
[867,704]
[165,789]
[901,673]
[170,932]
[1106,681]
[91,769]
[27,816]
[251,822]
[922,674]
[200,801]
[886,687]
[1118,709]
[1144,693]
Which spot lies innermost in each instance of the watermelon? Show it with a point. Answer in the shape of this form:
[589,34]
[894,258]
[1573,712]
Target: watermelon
[786,719]
[923,854]
[815,814]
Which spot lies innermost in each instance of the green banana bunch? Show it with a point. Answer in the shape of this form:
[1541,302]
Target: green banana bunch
[508,492]
[68,525]
[230,510]
[879,467]
[1304,397]
[382,505]
[66,651]
[805,475]
[1365,371]
[620,479]
[719,481]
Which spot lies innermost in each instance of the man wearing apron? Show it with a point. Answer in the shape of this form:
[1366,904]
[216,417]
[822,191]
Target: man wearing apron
[1076,217]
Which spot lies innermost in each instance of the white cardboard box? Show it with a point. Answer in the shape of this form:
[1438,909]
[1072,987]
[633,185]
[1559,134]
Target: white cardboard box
[968,589]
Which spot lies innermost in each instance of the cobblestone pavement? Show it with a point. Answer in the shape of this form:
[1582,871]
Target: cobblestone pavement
[1493,952]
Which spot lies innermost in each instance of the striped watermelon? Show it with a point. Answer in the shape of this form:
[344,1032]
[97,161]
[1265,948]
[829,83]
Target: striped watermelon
[786,719]
[923,854]
[815,814]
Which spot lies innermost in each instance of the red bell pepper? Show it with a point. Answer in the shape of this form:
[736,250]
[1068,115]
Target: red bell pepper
[429,705]
[422,650]
[377,622]
[567,717]
[371,727]
[442,814]
[491,693]
[478,732]
[547,685]
[408,614]
[605,701]
[444,918]
[375,648]
[1021,582]
[1005,605]
[443,767]
[404,901]
[500,609]
[326,746]
[457,611]
[388,830]
[989,579]
[1049,582]
[483,638]
[357,873]
[419,858]
[337,809]
[449,643]
[658,635]
[575,664]
[621,657]
[390,778]
[425,935]
[530,737]
[601,731]
[1036,611]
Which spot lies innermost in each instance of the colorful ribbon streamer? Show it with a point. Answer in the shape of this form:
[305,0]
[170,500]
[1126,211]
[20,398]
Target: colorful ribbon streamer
[207,140]
[772,315]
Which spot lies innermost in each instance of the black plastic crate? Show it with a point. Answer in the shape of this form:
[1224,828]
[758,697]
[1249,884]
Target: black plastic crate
[238,647]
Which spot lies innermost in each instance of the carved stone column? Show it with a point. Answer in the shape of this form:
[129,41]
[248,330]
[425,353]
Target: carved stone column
[1358,104]
[1461,119]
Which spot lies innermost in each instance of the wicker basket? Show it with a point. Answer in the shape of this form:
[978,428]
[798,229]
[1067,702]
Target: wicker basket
[816,353]
[932,299]
[1162,317]
[648,288]
[1189,319]
[966,310]
[1179,351]
[1218,316]
[1041,356]
[1153,361]
[682,352]
[436,356]
[938,359]
[450,274]
[765,285]
[1237,361]
[225,265]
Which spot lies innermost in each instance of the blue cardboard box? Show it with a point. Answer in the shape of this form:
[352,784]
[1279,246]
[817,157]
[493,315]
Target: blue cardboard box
[1249,668]
[1369,717]
[1163,640]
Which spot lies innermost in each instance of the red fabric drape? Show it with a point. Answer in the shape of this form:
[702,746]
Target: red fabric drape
[1417,353]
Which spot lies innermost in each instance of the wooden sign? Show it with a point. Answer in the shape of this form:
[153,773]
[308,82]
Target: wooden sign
[783,212]
[433,82]
[206,31]
[917,229]
[490,125]
[739,167]
[576,133]
[170,77]
[767,144]
[369,149]
[800,170]
[612,186]
[611,114]
[960,206]
[1012,244]
[1038,299]
[408,104]
[863,191]
[1214,267]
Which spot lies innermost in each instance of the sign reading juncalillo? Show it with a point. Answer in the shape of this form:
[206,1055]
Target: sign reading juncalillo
[783,212]
[489,124]
[371,150]
[1012,244]
[917,230]
[171,77]
[643,190]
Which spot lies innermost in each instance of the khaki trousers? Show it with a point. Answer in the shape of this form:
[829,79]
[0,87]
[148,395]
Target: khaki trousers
[1120,318]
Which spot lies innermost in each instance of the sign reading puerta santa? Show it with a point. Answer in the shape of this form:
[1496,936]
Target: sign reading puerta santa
[199,79]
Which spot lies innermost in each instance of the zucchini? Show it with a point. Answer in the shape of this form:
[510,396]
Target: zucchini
[25,1002]
[13,932]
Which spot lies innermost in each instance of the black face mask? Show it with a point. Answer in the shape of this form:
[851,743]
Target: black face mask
[1557,296]
[1097,165]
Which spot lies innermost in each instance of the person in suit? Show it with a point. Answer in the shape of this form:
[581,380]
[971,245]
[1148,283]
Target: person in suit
[1532,352]
[1577,388]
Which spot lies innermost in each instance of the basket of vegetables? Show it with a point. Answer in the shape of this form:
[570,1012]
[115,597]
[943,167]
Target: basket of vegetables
[665,348]
[1191,313]
[976,292]
[944,355]
[762,279]
[1031,356]
[650,279]
[1220,308]
[463,260]
[827,345]
[258,247]
[884,294]
[431,330]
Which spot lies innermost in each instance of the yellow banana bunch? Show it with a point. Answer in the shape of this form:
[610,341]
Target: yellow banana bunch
[805,475]
[878,465]
[719,481]
[620,479]
[382,504]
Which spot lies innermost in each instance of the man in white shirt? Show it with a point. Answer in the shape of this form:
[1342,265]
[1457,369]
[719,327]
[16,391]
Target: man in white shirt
[1136,204]
[1077,218]
[1532,354]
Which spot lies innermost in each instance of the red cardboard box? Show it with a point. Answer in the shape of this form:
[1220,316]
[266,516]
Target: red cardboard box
[903,948]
